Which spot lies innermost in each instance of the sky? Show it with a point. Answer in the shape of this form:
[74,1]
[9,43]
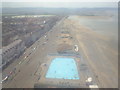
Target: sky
[60,3]
[60,0]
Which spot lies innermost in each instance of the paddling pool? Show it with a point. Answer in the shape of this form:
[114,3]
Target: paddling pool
[62,68]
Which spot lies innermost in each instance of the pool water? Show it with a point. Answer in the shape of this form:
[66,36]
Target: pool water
[63,68]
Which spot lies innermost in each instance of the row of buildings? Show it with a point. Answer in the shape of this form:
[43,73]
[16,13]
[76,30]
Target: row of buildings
[12,51]
[16,38]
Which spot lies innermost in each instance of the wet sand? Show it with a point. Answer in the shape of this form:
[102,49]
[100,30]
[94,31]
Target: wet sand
[97,50]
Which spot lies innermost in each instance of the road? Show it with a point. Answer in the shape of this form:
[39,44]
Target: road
[94,49]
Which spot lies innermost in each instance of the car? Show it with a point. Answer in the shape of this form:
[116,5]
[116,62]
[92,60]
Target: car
[6,78]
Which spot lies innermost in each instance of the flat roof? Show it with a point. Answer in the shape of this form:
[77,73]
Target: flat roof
[11,45]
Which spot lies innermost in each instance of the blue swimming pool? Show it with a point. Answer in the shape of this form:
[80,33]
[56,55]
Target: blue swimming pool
[62,68]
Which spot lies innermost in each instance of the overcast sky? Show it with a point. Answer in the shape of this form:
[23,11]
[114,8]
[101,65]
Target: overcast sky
[60,3]
[60,0]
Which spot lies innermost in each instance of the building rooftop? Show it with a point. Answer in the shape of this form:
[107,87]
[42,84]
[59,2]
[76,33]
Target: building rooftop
[4,49]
